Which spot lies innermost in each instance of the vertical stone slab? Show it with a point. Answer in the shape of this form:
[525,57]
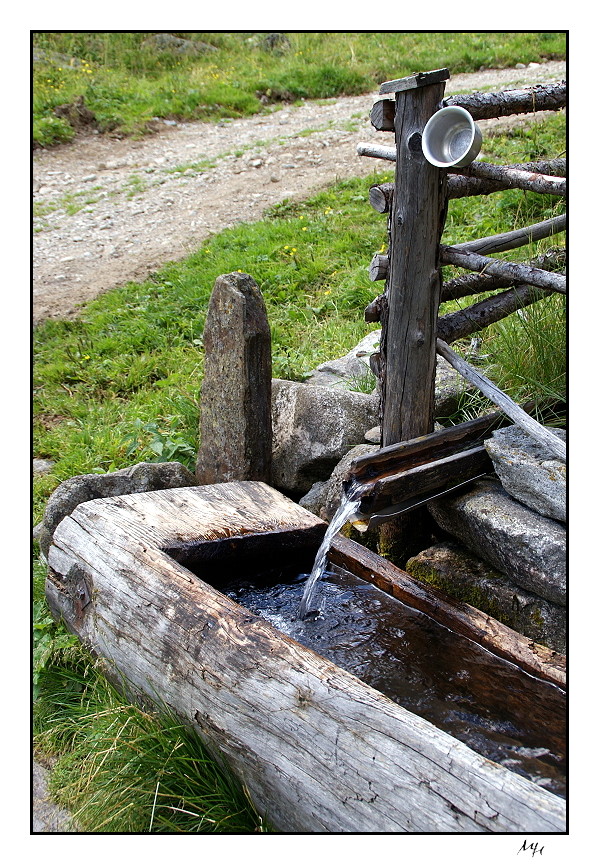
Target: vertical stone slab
[235,420]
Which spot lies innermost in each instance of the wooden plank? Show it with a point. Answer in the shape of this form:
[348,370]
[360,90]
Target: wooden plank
[415,485]
[318,750]
[534,429]
[422,449]
[406,360]
[414,281]
[456,615]
[419,79]
[438,444]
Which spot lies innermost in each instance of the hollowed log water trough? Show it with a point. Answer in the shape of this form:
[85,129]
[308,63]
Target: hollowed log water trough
[141,580]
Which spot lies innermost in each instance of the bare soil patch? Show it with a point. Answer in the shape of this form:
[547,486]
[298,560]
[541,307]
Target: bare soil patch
[107,211]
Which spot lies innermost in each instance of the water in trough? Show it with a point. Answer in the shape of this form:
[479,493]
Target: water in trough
[484,701]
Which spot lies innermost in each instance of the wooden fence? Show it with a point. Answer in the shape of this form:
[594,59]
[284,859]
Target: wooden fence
[416,206]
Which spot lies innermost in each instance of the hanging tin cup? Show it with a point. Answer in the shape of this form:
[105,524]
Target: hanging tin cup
[451,138]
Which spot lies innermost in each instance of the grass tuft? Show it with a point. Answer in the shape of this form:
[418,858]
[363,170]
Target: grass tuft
[119,768]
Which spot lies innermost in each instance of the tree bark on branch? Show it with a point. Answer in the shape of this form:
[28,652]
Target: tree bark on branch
[514,178]
[518,272]
[476,283]
[461,186]
[541,97]
[514,239]
[457,325]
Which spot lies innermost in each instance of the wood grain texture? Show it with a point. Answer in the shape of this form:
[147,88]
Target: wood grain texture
[319,750]
[411,82]
[414,280]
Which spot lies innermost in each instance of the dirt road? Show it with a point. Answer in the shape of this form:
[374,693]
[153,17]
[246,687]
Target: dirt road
[107,211]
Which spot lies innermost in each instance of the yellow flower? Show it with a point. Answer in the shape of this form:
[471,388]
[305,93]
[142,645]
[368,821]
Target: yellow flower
[305,228]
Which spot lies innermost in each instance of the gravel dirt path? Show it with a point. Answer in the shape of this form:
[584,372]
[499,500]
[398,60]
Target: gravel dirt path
[107,211]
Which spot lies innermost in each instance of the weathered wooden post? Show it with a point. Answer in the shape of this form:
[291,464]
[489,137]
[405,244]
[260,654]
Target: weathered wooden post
[411,301]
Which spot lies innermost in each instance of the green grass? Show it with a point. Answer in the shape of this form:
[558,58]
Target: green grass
[127,84]
[121,384]
[120,768]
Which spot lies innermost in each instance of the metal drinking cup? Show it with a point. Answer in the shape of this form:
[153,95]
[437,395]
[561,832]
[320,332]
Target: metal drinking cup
[451,138]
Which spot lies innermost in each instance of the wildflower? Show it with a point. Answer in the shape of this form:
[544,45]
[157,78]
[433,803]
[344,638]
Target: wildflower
[305,228]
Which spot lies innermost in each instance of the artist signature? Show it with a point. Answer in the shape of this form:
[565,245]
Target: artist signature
[532,848]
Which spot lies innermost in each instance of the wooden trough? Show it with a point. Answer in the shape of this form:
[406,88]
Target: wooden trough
[318,749]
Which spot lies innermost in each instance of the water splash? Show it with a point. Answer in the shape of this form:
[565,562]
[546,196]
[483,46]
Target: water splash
[348,506]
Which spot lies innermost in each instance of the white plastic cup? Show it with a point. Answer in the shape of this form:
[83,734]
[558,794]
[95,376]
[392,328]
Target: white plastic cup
[451,138]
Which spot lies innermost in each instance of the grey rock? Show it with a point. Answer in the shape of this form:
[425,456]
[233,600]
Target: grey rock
[373,435]
[47,816]
[529,472]
[450,388]
[42,467]
[529,548]
[235,420]
[314,498]
[353,369]
[39,55]
[333,489]
[167,42]
[467,578]
[349,368]
[277,43]
[142,477]
[313,428]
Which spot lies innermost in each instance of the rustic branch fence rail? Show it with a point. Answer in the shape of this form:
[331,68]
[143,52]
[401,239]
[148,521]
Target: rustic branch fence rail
[416,206]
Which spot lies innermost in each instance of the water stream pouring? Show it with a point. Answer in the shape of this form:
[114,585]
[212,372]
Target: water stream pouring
[348,506]
[402,477]
[349,510]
